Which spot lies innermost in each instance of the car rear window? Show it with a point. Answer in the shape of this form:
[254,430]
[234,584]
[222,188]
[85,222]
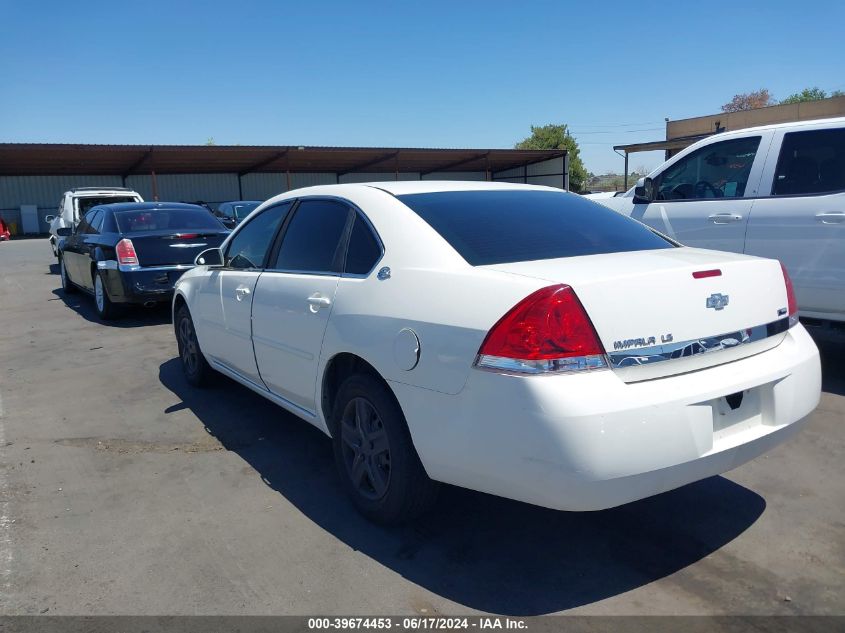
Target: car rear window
[496,227]
[160,219]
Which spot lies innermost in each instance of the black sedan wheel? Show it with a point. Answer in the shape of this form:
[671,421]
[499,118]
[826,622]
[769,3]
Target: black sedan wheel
[196,369]
[374,453]
[106,310]
[67,285]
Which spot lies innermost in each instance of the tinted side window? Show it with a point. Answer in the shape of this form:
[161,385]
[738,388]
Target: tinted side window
[364,249]
[97,222]
[87,226]
[810,162]
[719,170]
[313,240]
[249,246]
[499,226]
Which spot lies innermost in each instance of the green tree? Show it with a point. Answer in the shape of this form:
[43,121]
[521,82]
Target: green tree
[558,137]
[808,94]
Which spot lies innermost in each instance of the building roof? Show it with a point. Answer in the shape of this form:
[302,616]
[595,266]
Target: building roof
[28,159]
[672,143]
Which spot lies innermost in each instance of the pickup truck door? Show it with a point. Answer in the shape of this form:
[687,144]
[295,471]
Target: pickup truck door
[224,300]
[801,218]
[294,299]
[704,197]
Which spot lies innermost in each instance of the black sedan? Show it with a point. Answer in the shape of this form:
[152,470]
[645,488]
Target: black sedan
[134,252]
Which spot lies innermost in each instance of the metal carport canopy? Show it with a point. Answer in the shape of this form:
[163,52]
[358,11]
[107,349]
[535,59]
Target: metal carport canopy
[33,159]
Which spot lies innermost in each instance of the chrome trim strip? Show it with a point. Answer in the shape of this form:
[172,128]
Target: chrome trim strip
[143,269]
[694,347]
[501,364]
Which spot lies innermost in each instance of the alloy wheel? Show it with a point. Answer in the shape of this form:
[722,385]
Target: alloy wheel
[188,346]
[366,449]
[99,293]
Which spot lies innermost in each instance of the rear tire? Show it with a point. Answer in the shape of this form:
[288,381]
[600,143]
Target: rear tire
[375,456]
[106,310]
[196,369]
[67,285]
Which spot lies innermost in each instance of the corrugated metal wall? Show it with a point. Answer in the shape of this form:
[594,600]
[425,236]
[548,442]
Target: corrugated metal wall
[549,173]
[45,191]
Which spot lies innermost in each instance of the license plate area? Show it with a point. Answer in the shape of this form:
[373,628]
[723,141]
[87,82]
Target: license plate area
[737,412]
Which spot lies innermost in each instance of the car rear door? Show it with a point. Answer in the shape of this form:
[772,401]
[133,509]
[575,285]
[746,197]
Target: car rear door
[703,198]
[294,297]
[801,218]
[224,301]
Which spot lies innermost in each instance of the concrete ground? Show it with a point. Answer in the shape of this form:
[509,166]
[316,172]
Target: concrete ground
[125,491]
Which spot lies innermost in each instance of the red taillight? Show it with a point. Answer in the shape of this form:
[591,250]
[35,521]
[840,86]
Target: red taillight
[549,330]
[126,253]
[187,236]
[791,301]
[703,274]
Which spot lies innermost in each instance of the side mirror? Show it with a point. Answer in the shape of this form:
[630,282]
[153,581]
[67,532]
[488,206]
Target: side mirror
[49,218]
[65,231]
[210,257]
[644,191]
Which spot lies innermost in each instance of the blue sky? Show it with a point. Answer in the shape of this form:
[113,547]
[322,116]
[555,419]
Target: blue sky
[430,74]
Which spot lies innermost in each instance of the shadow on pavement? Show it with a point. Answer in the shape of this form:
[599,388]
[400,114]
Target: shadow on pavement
[478,550]
[831,343]
[130,316]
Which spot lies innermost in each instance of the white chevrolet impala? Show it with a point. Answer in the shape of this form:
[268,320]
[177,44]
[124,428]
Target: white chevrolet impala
[517,340]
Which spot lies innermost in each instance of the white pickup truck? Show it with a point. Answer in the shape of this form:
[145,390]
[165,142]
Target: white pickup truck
[775,191]
[76,202]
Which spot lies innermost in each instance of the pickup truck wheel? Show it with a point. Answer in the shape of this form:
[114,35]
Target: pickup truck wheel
[106,310]
[67,285]
[375,456]
[196,369]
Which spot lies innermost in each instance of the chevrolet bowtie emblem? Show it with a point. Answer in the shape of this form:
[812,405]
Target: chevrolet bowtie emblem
[717,301]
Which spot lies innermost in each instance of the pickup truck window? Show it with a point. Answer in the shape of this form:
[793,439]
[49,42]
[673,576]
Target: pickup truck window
[718,170]
[810,162]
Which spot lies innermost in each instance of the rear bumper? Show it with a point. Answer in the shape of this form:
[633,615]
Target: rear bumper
[591,441]
[140,285]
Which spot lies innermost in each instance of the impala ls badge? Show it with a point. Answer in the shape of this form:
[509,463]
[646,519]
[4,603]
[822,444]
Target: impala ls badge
[717,301]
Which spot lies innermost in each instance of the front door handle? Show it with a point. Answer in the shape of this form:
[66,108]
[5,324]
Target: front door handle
[831,217]
[317,301]
[724,218]
[241,292]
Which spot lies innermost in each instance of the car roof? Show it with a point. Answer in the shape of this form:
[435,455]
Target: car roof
[781,126]
[403,187]
[147,206]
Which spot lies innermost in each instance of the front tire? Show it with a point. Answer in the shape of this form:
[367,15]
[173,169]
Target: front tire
[106,310]
[67,285]
[375,456]
[196,369]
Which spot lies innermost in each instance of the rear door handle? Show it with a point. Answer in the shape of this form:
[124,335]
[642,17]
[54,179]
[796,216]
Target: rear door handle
[241,292]
[831,217]
[724,218]
[317,301]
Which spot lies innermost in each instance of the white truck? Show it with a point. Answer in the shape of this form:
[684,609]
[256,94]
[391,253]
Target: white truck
[775,191]
[75,203]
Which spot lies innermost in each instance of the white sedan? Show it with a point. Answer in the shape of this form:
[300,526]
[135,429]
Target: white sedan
[516,340]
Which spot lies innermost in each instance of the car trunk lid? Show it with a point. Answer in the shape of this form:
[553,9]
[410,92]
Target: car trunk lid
[649,306]
[167,248]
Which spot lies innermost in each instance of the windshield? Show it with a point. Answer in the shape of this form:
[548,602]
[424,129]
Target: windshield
[160,219]
[503,226]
